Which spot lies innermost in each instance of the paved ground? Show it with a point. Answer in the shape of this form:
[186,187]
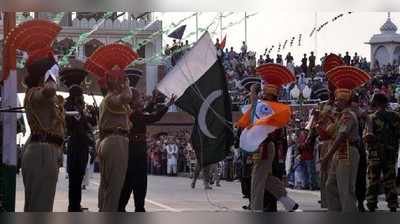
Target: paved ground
[174,194]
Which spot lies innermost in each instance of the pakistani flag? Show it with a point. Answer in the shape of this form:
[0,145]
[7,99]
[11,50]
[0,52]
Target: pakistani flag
[199,84]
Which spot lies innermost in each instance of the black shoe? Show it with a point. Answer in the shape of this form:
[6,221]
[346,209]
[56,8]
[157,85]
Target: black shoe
[361,207]
[393,209]
[246,207]
[295,207]
[140,210]
[371,209]
[193,185]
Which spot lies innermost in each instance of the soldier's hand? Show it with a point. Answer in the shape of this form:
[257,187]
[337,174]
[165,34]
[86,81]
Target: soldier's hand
[171,101]
[369,138]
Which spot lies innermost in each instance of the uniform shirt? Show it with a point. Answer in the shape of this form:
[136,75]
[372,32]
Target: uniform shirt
[385,127]
[348,126]
[45,115]
[113,114]
[140,119]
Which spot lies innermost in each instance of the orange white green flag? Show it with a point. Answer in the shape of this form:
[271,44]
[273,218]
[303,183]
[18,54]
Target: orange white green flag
[261,120]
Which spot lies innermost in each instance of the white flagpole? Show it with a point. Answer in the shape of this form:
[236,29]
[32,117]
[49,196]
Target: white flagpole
[197,26]
[220,25]
[316,35]
[245,27]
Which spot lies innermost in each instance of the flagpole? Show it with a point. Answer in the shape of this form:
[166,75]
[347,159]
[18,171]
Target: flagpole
[316,34]
[197,26]
[245,27]
[220,25]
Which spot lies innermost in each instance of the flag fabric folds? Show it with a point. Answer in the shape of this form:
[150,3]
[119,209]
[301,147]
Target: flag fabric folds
[223,43]
[199,83]
[178,32]
[258,124]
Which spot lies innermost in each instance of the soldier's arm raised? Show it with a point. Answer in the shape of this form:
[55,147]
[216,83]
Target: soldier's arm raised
[345,124]
[125,96]
[44,93]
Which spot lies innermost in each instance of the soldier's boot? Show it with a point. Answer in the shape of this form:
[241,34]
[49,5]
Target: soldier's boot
[361,207]
[371,208]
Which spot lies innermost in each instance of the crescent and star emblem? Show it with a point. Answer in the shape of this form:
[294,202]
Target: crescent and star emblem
[201,118]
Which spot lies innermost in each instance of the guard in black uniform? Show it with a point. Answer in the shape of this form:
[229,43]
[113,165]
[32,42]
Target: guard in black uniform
[79,126]
[136,176]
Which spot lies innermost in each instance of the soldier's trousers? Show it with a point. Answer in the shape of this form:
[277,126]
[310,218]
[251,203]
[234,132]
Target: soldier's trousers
[113,152]
[361,184]
[262,179]
[378,164]
[40,174]
[75,191]
[323,149]
[136,178]
[341,183]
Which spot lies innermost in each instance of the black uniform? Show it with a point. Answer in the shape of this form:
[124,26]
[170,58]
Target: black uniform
[78,143]
[136,176]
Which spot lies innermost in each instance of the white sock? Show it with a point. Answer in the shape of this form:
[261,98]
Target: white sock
[287,202]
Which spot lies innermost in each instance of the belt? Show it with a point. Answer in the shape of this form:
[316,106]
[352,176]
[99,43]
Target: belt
[47,138]
[118,131]
[137,137]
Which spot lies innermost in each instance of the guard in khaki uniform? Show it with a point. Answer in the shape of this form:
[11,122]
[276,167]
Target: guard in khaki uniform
[343,153]
[262,179]
[109,63]
[325,126]
[44,111]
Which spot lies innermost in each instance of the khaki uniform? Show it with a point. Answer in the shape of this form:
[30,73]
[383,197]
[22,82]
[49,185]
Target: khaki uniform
[262,179]
[326,129]
[112,151]
[40,164]
[342,176]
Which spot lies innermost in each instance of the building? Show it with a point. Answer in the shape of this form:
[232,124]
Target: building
[385,47]
[112,30]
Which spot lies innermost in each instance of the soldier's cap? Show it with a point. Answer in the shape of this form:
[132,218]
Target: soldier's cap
[35,38]
[73,74]
[331,61]
[73,77]
[345,79]
[274,77]
[133,75]
[109,62]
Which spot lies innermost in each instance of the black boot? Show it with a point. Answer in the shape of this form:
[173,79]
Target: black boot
[361,207]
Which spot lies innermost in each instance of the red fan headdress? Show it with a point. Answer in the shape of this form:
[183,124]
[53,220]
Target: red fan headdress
[331,61]
[274,76]
[346,78]
[110,61]
[35,37]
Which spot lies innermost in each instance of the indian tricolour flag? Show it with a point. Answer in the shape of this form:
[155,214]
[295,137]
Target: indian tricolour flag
[259,121]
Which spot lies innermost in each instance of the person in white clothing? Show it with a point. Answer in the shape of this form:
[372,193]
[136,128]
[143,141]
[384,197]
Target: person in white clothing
[172,156]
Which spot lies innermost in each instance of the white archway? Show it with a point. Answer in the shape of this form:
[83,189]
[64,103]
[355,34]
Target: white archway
[382,56]
[396,55]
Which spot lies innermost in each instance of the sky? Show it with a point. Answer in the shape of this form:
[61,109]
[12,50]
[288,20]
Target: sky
[348,33]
